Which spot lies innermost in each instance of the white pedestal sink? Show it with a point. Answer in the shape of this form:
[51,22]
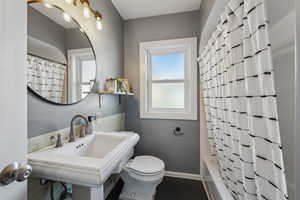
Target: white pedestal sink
[85,163]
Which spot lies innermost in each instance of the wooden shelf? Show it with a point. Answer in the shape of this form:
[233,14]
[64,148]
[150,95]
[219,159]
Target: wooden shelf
[114,93]
[100,93]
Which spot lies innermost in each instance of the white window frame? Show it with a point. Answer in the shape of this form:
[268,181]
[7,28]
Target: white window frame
[189,47]
[74,71]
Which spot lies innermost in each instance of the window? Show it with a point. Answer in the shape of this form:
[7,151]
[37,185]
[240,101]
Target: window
[87,75]
[81,73]
[168,79]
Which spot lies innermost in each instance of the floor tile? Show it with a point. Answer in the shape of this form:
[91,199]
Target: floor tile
[171,189]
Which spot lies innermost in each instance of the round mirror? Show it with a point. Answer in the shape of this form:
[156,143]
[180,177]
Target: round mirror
[61,64]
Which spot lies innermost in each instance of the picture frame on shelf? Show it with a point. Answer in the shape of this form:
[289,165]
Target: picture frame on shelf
[123,85]
[117,85]
[111,85]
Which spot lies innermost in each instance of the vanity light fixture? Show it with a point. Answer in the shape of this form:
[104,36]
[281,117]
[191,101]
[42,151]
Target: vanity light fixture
[47,5]
[99,25]
[86,8]
[70,1]
[98,17]
[67,17]
[88,12]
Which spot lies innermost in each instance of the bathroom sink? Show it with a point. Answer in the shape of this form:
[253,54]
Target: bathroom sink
[88,161]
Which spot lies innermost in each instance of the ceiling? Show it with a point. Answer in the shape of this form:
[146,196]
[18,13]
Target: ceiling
[54,14]
[133,9]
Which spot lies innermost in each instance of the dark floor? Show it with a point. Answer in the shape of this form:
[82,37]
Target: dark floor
[180,189]
[172,189]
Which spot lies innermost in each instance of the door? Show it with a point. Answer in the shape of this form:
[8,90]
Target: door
[13,92]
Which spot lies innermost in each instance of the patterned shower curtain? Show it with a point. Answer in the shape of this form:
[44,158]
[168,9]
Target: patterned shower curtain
[46,78]
[240,103]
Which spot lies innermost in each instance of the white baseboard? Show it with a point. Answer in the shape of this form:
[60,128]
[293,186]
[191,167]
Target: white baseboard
[183,175]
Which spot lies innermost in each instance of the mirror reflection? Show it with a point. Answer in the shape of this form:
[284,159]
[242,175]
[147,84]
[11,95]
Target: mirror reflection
[61,64]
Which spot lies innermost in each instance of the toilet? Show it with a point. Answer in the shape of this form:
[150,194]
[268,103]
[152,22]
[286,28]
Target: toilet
[141,176]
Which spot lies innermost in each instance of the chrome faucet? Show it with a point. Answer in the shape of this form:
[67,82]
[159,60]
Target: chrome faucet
[82,133]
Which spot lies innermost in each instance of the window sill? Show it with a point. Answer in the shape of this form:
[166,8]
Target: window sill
[177,116]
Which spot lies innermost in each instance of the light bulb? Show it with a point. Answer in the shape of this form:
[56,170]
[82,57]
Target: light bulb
[67,17]
[99,25]
[48,5]
[86,10]
[69,1]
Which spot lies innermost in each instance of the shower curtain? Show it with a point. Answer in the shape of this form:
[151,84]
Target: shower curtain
[240,103]
[46,78]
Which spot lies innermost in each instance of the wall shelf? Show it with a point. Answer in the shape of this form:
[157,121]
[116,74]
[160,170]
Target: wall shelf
[114,93]
[120,94]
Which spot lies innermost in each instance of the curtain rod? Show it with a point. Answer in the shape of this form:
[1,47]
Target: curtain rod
[47,59]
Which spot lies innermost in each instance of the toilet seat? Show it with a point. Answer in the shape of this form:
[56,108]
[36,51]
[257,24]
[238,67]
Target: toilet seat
[146,166]
[146,174]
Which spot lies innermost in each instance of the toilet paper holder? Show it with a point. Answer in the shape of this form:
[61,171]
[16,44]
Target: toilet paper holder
[178,132]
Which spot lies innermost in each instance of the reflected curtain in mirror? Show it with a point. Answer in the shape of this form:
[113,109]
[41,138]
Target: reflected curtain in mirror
[46,78]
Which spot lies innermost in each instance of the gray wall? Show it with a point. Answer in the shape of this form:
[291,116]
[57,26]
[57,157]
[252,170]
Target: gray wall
[297,100]
[181,154]
[284,66]
[74,39]
[211,20]
[45,29]
[42,28]
[284,70]
[44,117]
[205,9]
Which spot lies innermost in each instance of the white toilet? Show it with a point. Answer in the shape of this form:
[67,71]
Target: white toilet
[141,177]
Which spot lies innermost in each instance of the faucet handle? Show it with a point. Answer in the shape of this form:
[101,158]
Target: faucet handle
[59,141]
[83,131]
[92,118]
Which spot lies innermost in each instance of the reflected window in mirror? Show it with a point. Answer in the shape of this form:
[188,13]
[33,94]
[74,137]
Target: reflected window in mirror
[82,73]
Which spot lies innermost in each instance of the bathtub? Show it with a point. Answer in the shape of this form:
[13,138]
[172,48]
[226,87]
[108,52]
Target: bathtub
[212,181]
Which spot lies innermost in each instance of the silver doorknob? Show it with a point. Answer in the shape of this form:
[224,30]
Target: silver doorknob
[15,172]
[23,173]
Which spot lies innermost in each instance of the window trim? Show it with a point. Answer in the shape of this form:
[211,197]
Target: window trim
[74,70]
[189,45]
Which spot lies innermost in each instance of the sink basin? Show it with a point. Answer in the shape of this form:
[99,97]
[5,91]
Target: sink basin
[88,161]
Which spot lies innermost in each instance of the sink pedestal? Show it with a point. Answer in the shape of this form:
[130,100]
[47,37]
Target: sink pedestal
[87,193]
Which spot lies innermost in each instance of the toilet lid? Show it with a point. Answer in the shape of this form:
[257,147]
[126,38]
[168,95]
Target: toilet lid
[146,164]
